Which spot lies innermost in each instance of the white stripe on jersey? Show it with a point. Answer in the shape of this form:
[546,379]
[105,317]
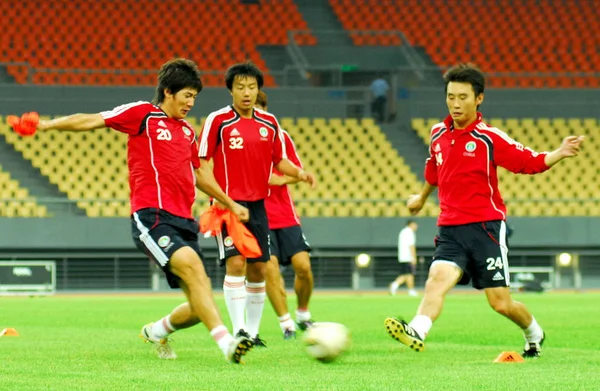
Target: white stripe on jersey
[120,109]
[203,150]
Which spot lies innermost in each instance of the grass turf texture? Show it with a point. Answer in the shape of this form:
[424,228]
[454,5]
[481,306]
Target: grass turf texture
[92,343]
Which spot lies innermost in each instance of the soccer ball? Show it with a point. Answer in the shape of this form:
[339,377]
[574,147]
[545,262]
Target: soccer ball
[325,341]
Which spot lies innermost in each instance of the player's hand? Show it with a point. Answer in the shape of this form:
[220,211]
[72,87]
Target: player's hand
[415,203]
[307,177]
[26,125]
[240,211]
[571,145]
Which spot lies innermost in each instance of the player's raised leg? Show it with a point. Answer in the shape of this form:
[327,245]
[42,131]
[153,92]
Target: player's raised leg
[303,285]
[502,302]
[278,299]
[443,276]
[186,264]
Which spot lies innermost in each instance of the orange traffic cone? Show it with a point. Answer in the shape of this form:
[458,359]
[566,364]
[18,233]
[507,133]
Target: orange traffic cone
[9,332]
[509,357]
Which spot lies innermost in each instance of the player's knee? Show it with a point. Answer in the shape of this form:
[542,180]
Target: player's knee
[303,271]
[192,273]
[501,306]
[236,266]
[256,272]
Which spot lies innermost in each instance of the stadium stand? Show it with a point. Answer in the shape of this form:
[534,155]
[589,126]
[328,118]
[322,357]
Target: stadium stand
[507,39]
[12,195]
[574,180]
[213,33]
[352,158]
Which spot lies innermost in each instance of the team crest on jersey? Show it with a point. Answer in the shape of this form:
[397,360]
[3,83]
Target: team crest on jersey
[164,241]
[471,146]
[263,132]
[228,241]
[187,131]
[436,148]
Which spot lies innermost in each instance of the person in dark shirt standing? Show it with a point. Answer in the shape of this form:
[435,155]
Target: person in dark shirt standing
[164,169]
[245,144]
[471,243]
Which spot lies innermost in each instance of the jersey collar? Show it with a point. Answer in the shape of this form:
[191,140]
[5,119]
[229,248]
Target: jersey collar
[449,122]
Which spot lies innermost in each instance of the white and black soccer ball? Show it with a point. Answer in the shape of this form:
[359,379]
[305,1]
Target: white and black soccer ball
[325,341]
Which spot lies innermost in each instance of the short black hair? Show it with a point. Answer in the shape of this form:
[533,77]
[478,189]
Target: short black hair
[244,69]
[466,73]
[175,75]
[410,221]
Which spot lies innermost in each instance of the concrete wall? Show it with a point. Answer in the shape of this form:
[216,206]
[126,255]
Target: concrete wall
[80,233]
[304,101]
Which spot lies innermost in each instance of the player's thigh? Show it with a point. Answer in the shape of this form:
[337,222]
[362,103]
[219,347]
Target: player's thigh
[489,256]
[160,243]
[272,271]
[294,247]
[449,256]
[258,225]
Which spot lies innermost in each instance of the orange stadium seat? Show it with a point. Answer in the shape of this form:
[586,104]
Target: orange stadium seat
[51,43]
[551,37]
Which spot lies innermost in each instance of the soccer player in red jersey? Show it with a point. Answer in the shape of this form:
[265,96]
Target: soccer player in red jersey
[164,169]
[288,244]
[244,145]
[471,243]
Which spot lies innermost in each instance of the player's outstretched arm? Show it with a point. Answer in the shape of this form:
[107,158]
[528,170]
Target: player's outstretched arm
[288,168]
[206,182]
[416,201]
[569,148]
[75,122]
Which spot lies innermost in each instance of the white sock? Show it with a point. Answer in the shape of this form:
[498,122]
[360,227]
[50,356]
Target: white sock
[286,323]
[302,315]
[534,332]
[394,286]
[421,324]
[162,328]
[222,338]
[254,306]
[235,299]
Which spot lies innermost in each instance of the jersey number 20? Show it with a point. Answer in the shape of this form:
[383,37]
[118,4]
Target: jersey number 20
[163,134]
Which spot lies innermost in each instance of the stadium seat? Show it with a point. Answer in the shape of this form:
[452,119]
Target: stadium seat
[526,44]
[130,47]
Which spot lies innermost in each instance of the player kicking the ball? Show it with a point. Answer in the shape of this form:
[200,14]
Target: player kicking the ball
[163,168]
[471,243]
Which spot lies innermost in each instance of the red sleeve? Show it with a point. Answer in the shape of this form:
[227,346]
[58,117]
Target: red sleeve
[209,137]
[279,151]
[514,157]
[431,174]
[290,150]
[128,118]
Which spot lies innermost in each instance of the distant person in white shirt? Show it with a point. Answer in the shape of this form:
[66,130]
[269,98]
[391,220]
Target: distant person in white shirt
[379,88]
[407,256]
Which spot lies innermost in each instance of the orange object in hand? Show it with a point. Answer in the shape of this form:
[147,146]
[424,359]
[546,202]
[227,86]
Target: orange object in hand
[26,125]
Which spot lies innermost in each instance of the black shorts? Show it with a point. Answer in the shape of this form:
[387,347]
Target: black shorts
[258,225]
[479,249]
[287,242]
[159,234]
[406,268]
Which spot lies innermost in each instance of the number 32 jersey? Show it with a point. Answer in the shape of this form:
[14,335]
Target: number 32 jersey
[244,151]
[162,154]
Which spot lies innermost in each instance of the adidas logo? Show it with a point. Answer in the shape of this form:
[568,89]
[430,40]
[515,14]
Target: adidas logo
[235,132]
[162,123]
[498,276]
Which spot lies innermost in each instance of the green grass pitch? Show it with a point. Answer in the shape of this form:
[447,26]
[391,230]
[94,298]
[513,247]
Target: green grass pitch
[91,343]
